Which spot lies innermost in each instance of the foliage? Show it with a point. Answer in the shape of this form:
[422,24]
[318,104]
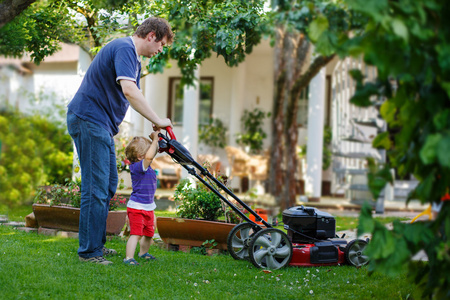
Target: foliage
[40,28]
[407,42]
[214,134]
[59,194]
[70,194]
[36,31]
[229,28]
[35,151]
[253,134]
[198,202]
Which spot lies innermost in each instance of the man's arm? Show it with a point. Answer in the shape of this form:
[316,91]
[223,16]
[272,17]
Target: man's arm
[138,102]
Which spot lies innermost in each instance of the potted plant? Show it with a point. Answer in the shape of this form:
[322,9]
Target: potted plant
[58,207]
[213,135]
[253,136]
[198,213]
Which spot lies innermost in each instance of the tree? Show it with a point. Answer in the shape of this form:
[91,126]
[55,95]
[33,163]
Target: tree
[296,24]
[407,42]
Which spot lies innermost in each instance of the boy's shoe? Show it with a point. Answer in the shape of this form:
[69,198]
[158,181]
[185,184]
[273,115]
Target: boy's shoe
[96,260]
[130,261]
[147,256]
[107,251]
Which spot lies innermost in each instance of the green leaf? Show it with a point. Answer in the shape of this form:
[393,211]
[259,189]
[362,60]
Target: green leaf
[317,27]
[443,151]
[400,29]
[382,244]
[366,222]
[382,140]
[428,152]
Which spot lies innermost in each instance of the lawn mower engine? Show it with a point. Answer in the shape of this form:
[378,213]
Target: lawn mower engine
[314,243]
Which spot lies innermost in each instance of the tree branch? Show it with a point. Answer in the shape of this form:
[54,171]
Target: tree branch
[312,71]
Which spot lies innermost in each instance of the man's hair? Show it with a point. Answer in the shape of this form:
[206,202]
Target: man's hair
[138,146]
[159,26]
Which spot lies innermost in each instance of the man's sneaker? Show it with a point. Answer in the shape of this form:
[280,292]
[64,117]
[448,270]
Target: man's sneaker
[96,260]
[107,251]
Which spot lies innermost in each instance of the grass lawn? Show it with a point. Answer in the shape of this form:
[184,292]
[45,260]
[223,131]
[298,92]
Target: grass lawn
[42,267]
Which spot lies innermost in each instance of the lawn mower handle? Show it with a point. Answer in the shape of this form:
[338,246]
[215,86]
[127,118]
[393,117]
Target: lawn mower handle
[170,132]
[163,147]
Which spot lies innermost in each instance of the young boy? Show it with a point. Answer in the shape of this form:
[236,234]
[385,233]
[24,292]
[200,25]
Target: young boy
[140,152]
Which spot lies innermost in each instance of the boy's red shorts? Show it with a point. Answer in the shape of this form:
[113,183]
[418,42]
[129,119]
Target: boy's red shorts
[142,222]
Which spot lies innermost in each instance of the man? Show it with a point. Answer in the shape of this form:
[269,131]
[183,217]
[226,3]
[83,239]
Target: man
[110,85]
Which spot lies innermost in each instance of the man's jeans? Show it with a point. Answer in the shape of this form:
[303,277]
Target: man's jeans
[96,152]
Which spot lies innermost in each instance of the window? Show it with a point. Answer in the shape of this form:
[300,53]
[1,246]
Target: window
[176,99]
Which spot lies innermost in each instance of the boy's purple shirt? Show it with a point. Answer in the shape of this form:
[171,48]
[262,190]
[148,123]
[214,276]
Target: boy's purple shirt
[143,183]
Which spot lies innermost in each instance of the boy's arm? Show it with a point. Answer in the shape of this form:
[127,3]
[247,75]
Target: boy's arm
[152,151]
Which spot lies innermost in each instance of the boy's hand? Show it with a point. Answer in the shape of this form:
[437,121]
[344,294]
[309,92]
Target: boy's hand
[154,135]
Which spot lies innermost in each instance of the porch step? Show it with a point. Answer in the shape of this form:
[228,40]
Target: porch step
[359,155]
[351,171]
[402,188]
[358,187]
[356,139]
[370,122]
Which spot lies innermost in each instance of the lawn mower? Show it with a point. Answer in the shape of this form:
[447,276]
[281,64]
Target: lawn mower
[311,234]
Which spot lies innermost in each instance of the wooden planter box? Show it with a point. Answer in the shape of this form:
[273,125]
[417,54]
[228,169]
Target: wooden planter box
[68,218]
[187,232]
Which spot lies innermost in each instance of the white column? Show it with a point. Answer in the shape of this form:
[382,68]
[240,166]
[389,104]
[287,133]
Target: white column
[316,111]
[237,102]
[190,118]
[153,84]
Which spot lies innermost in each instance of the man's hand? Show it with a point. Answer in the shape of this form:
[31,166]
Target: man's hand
[162,124]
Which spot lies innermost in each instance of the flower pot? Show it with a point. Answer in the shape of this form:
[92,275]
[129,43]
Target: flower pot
[178,231]
[68,218]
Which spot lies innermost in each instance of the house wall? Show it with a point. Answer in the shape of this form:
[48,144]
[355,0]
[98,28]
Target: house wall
[43,87]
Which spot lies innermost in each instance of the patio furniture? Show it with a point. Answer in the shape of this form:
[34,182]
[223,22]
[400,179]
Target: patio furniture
[169,172]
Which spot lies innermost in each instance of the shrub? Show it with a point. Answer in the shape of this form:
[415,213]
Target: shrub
[197,203]
[34,151]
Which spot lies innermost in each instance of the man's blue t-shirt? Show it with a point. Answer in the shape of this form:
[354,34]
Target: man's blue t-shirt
[100,98]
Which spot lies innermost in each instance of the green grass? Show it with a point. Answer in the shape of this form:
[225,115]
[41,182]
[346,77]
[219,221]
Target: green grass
[43,267]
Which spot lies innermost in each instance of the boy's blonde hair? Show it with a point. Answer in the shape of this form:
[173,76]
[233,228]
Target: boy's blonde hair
[138,146]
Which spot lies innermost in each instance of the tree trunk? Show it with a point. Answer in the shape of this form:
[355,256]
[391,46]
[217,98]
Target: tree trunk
[298,48]
[291,52]
[9,9]
[276,152]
